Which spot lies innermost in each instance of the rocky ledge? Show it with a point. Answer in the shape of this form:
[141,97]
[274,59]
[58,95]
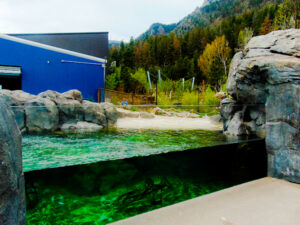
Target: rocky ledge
[51,111]
[267,73]
[264,83]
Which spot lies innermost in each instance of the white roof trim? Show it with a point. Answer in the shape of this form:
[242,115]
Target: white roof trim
[51,48]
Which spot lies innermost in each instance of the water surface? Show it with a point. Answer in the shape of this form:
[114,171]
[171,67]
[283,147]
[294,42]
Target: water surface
[60,150]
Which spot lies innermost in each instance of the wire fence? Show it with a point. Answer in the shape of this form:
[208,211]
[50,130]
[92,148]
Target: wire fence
[116,97]
[176,110]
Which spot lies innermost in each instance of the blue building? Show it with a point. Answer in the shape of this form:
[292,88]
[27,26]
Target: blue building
[35,67]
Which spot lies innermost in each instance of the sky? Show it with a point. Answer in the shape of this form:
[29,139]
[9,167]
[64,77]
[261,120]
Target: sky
[121,18]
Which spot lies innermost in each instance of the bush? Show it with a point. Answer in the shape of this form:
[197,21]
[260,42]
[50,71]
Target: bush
[209,97]
[112,81]
[133,108]
[162,99]
[189,98]
[140,77]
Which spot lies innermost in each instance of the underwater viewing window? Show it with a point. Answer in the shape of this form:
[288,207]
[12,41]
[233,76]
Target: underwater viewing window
[108,191]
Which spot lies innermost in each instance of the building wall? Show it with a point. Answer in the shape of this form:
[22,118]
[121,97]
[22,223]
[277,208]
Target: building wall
[94,44]
[43,70]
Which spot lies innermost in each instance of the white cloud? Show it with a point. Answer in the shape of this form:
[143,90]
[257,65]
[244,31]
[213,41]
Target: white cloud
[120,18]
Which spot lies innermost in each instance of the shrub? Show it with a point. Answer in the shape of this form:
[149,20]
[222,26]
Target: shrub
[133,108]
[141,77]
[112,81]
[189,98]
[209,98]
[162,99]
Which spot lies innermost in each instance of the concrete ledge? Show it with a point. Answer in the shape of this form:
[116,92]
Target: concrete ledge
[267,201]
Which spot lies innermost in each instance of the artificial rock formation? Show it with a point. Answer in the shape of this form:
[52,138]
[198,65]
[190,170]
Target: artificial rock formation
[69,104]
[264,82]
[81,126]
[12,195]
[41,115]
[51,111]
[16,100]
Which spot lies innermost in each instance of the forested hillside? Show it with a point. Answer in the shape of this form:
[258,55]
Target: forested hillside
[204,52]
[211,12]
[158,29]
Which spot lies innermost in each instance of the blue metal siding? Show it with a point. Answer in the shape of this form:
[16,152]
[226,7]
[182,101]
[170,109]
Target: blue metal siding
[38,75]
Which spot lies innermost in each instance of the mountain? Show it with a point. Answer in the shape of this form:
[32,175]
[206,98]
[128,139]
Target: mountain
[211,12]
[112,43]
[185,24]
[158,29]
[207,2]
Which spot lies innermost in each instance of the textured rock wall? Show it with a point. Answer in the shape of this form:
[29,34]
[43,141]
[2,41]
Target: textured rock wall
[12,195]
[264,82]
[51,111]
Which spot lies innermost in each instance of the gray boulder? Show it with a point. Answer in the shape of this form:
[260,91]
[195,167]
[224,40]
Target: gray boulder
[68,103]
[73,95]
[16,100]
[17,109]
[123,113]
[12,200]
[41,115]
[110,113]
[50,109]
[236,125]
[18,97]
[216,119]
[267,60]
[161,112]
[146,115]
[228,109]
[94,113]
[259,73]
[81,127]
[52,95]
[285,42]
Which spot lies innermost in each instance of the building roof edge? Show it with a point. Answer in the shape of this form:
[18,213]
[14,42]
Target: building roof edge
[52,48]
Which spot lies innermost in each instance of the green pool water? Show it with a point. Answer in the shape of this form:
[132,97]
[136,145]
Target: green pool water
[115,174]
[60,150]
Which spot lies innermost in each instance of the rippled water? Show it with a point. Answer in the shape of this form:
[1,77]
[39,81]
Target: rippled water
[59,150]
